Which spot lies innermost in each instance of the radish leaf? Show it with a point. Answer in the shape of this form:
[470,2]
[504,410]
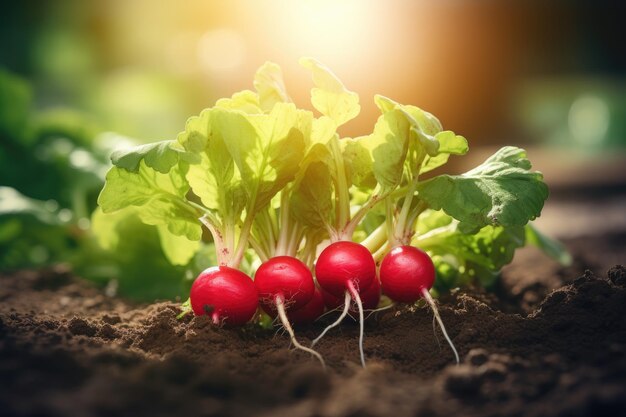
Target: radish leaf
[501,191]
[311,202]
[424,126]
[383,153]
[246,101]
[215,179]
[161,156]
[463,258]
[551,247]
[178,249]
[449,144]
[161,198]
[269,83]
[267,149]
[329,96]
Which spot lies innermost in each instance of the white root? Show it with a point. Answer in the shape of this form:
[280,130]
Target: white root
[377,310]
[355,295]
[435,331]
[336,323]
[433,306]
[329,312]
[215,318]
[280,307]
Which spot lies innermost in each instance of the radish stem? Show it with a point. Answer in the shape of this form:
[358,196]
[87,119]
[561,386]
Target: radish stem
[381,252]
[343,315]
[280,306]
[355,295]
[342,196]
[376,239]
[218,240]
[433,306]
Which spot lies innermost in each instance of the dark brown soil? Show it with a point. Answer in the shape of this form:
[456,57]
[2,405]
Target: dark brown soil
[550,342]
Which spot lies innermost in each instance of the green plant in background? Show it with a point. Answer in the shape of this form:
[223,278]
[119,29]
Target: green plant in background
[52,166]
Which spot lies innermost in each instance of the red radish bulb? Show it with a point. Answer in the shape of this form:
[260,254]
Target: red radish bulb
[226,294]
[284,283]
[343,262]
[406,275]
[405,272]
[286,277]
[310,312]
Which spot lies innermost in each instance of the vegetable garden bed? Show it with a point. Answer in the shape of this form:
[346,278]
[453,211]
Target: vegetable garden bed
[551,341]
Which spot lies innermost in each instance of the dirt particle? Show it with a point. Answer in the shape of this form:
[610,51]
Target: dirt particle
[477,357]
[617,275]
[494,372]
[108,332]
[111,319]
[308,382]
[80,327]
[463,381]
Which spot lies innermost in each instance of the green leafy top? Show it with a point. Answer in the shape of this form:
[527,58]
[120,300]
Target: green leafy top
[256,170]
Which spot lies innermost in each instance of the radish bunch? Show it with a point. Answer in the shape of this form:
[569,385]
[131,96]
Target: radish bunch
[302,219]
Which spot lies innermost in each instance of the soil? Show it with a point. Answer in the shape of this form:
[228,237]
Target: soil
[550,341]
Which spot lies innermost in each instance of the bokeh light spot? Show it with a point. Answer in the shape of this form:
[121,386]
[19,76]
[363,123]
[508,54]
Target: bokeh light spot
[221,50]
[589,119]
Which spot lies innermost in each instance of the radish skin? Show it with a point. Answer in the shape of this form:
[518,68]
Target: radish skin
[284,275]
[226,294]
[345,261]
[310,312]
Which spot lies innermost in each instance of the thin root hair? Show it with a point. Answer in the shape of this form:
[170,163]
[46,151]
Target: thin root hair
[344,313]
[280,306]
[433,307]
[377,310]
[355,294]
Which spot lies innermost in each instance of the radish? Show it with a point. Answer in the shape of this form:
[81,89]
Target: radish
[285,284]
[226,294]
[310,312]
[346,268]
[406,275]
